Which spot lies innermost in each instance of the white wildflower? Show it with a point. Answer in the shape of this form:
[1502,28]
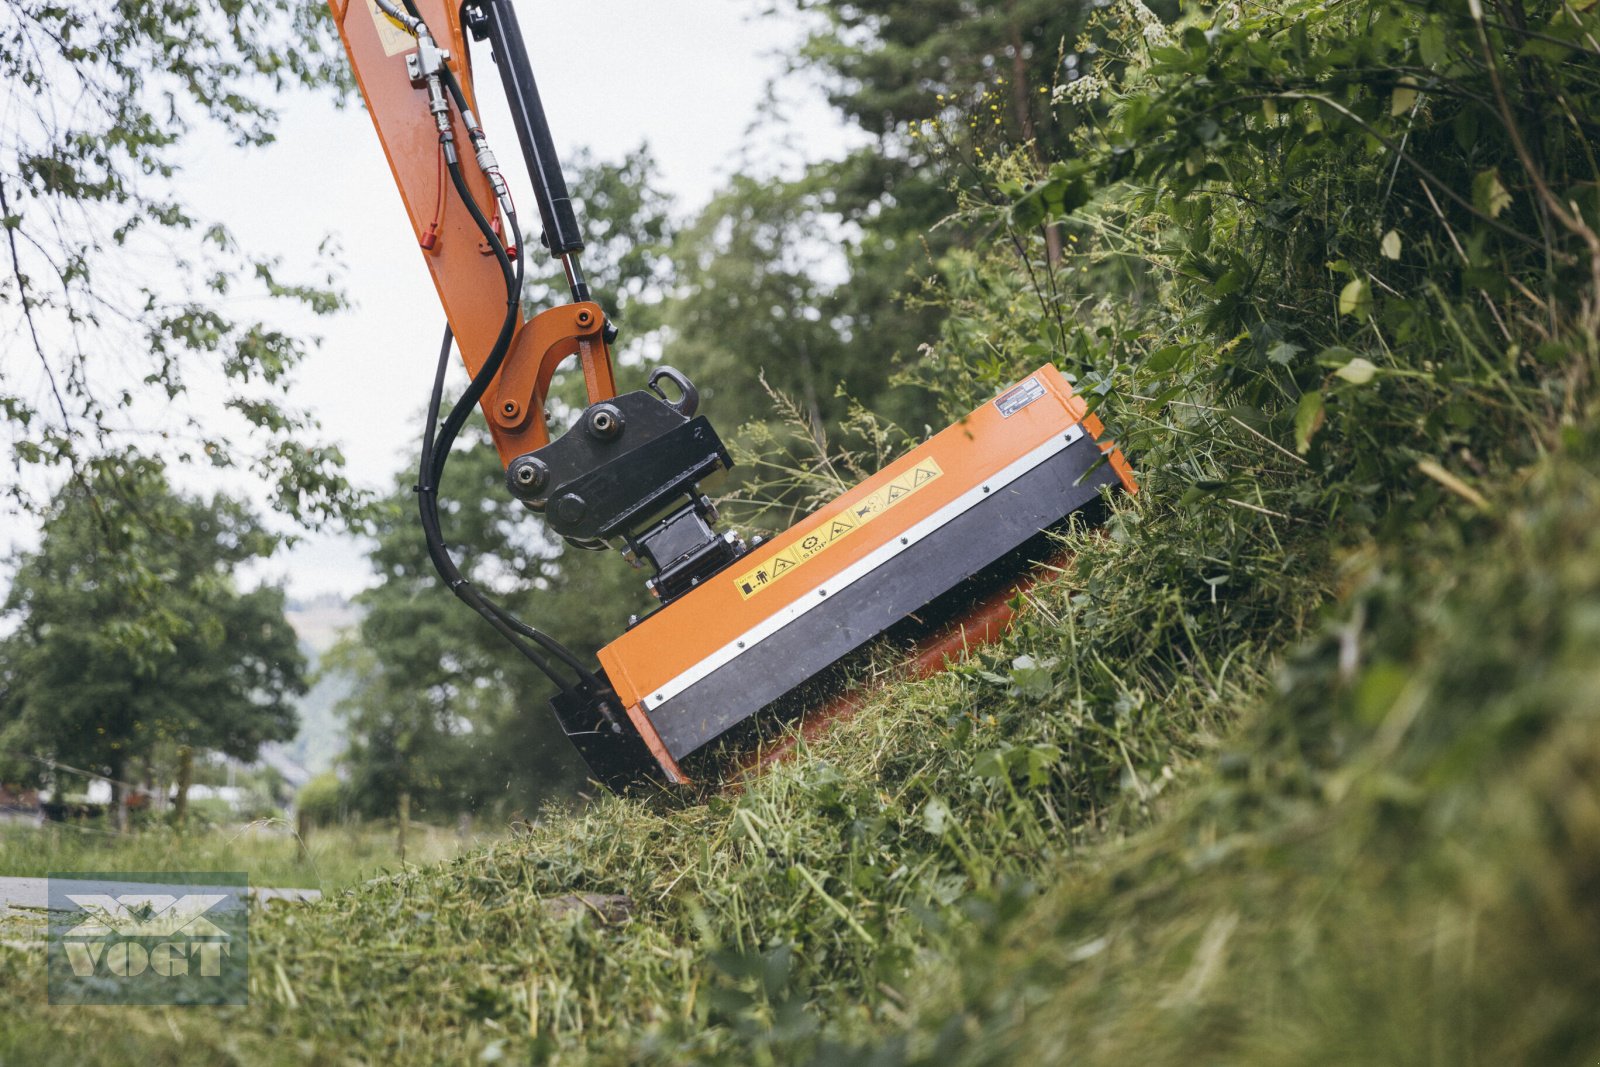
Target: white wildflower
[1079,91]
[1154,30]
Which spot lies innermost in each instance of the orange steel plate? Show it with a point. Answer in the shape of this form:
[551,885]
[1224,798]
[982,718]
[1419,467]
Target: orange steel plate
[707,619]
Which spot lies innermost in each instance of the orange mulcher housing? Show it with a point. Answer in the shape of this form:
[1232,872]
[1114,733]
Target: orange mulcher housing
[740,627]
[793,606]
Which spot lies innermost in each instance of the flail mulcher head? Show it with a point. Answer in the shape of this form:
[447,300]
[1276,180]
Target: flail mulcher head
[904,544]
[740,627]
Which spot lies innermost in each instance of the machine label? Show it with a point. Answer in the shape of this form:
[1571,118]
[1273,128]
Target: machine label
[1014,400]
[833,530]
[392,37]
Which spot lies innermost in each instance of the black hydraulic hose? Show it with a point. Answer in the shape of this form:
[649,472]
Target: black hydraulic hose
[438,553]
[431,466]
[454,87]
[491,366]
[436,451]
[508,625]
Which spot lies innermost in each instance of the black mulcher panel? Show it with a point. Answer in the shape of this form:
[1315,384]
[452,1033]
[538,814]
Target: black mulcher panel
[848,618]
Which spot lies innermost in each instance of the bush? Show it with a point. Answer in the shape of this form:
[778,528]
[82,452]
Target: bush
[321,800]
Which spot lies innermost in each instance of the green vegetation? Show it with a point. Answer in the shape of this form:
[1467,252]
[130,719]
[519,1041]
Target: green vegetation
[97,105]
[1296,763]
[128,671]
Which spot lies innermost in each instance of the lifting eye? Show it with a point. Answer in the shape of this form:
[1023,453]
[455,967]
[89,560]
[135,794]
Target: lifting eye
[688,401]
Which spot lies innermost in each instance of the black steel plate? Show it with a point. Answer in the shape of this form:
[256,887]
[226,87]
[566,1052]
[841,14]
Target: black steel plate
[855,615]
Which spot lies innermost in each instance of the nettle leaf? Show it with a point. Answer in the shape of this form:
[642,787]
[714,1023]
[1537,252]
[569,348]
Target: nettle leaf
[1390,245]
[1283,353]
[1031,677]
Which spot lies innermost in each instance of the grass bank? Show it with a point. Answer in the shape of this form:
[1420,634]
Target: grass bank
[1297,764]
[1127,832]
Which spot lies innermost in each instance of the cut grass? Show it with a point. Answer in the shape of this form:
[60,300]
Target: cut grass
[1386,859]
[1131,831]
[799,907]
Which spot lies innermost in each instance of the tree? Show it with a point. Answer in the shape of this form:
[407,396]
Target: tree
[977,63]
[627,255]
[444,716]
[119,302]
[111,665]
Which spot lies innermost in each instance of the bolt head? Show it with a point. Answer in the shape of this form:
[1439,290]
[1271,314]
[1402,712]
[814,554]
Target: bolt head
[570,509]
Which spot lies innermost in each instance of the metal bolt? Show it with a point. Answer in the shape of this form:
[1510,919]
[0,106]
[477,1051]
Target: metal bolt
[605,421]
[570,509]
[526,476]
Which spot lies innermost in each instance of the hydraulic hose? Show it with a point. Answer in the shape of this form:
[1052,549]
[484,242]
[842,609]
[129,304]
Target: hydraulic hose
[435,450]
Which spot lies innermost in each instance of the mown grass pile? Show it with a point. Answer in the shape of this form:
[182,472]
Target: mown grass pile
[1297,764]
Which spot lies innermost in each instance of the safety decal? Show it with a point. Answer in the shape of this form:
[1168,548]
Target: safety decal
[834,530]
[392,37]
[1018,398]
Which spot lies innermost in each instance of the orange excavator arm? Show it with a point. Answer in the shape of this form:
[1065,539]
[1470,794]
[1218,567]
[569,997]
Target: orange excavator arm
[741,628]
[465,270]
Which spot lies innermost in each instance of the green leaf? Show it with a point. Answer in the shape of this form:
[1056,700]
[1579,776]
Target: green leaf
[1029,211]
[1431,44]
[1308,419]
[1403,99]
[1033,678]
[1355,298]
[1489,196]
[1358,371]
[1164,359]
[1283,353]
[1390,245]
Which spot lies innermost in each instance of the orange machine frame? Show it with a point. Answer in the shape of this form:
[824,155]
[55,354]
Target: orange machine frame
[465,273]
[668,670]
[660,649]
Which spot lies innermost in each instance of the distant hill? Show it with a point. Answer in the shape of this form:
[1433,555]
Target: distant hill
[318,622]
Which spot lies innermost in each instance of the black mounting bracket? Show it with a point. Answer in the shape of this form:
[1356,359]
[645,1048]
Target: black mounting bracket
[629,470]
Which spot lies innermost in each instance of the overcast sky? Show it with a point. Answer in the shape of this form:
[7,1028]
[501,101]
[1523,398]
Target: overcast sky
[687,78]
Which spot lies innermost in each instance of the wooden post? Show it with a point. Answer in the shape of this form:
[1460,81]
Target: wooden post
[302,834]
[404,823]
[180,806]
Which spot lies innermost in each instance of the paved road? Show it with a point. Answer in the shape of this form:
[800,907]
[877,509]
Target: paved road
[30,893]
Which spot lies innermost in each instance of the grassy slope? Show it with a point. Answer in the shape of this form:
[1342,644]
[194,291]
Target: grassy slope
[1298,764]
[1388,857]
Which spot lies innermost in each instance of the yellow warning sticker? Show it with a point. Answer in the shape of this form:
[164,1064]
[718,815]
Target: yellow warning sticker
[832,531]
[390,35]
